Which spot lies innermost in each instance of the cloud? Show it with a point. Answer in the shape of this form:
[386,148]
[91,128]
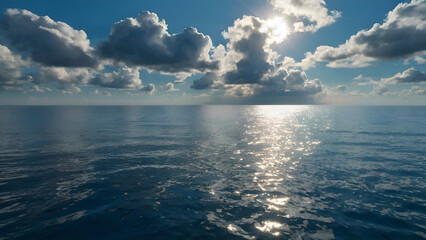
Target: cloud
[415,90]
[247,42]
[380,90]
[124,78]
[420,60]
[70,90]
[40,89]
[149,89]
[363,81]
[338,94]
[102,92]
[340,88]
[145,42]
[309,15]
[67,78]
[247,57]
[289,83]
[410,75]
[46,41]
[246,66]
[401,36]
[359,77]
[205,82]
[170,87]
[250,68]
[10,69]
[287,86]
[240,90]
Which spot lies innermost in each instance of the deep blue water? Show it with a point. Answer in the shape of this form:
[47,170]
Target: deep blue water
[212,172]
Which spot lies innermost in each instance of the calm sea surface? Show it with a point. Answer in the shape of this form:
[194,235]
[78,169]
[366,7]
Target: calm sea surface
[213,172]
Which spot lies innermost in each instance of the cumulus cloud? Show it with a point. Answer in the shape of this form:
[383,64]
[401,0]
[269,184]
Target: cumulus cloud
[410,75]
[149,89]
[102,92]
[251,68]
[415,90]
[340,88]
[10,69]
[288,83]
[402,35]
[240,90]
[70,90]
[144,41]
[170,87]
[247,58]
[46,41]
[67,78]
[205,82]
[125,78]
[39,89]
[380,90]
[309,15]
[247,42]
[363,81]
[419,59]
[359,77]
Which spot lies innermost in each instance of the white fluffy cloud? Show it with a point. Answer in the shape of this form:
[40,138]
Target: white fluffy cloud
[401,36]
[248,47]
[102,92]
[415,91]
[127,78]
[39,89]
[124,78]
[149,88]
[309,15]
[170,87]
[10,69]
[410,75]
[380,90]
[145,42]
[251,68]
[46,41]
[383,90]
[67,78]
[363,81]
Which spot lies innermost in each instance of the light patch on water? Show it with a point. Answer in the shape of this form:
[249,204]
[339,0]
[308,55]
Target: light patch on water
[71,217]
[158,166]
[271,227]
[278,201]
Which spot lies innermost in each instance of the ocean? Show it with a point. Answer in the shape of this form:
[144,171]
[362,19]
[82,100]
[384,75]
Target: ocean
[212,172]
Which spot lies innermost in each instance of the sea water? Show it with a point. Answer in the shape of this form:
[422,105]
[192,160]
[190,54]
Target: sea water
[212,172]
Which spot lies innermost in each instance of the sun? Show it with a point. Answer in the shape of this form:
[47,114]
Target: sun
[278,29]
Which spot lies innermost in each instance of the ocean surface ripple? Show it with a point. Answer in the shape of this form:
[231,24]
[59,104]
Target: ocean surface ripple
[212,172]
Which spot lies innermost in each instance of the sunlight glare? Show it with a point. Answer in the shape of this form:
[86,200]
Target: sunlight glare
[278,29]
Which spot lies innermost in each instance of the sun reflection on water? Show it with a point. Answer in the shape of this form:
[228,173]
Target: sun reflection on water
[275,130]
[261,177]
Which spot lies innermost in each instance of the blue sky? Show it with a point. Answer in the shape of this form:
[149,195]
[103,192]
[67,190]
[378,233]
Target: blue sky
[377,67]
